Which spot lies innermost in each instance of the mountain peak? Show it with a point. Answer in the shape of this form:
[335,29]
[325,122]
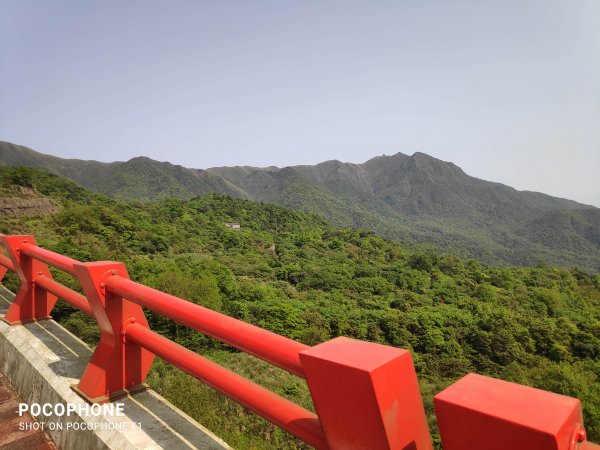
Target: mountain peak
[422,155]
[388,157]
[141,158]
[411,198]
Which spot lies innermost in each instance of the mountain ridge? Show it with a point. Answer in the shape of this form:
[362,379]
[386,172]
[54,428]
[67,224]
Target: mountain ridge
[411,198]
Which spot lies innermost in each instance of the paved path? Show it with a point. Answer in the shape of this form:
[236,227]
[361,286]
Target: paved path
[11,436]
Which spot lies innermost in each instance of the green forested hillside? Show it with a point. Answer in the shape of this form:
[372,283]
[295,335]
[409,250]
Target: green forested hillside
[294,274]
[413,199]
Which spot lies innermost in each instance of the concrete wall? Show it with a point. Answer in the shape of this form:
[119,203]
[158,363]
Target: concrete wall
[43,360]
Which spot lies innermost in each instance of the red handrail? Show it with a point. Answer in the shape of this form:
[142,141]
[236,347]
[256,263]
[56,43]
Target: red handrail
[57,260]
[63,292]
[6,262]
[283,413]
[271,347]
[366,395]
[39,277]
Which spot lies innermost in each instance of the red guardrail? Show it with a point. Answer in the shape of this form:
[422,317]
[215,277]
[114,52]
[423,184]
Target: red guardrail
[6,264]
[38,292]
[366,395]
[281,412]
[268,346]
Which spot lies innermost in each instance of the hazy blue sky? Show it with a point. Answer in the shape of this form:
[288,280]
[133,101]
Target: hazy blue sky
[508,90]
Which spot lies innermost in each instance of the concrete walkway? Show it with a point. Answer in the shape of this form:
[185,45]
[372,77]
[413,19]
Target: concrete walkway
[11,435]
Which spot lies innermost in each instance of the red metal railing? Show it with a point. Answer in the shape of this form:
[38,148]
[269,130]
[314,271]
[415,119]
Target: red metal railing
[61,262]
[67,294]
[39,291]
[281,412]
[366,395]
[6,263]
[271,347]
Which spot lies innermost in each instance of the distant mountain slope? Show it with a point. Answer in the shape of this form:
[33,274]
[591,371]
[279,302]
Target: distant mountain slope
[414,198]
[139,178]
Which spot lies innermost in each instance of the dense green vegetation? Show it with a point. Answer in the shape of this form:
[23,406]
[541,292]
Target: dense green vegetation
[415,200]
[294,274]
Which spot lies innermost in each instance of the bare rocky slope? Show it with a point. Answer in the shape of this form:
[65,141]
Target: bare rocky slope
[24,201]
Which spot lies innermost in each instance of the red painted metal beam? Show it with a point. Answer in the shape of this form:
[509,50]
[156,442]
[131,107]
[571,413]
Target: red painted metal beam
[506,415]
[57,260]
[366,395]
[283,413]
[263,344]
[69,295]
[6,262]
[116,368]
[31,303]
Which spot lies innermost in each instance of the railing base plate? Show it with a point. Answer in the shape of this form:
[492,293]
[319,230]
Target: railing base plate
[113,396]
[26,321]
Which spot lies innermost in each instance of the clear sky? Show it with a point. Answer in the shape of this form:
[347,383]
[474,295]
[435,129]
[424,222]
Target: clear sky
[508,90]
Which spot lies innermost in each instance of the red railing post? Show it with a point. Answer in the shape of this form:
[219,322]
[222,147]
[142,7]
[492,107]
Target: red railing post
[116,368]
[31,303]
[366,395]
[479,412]
[4,261]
